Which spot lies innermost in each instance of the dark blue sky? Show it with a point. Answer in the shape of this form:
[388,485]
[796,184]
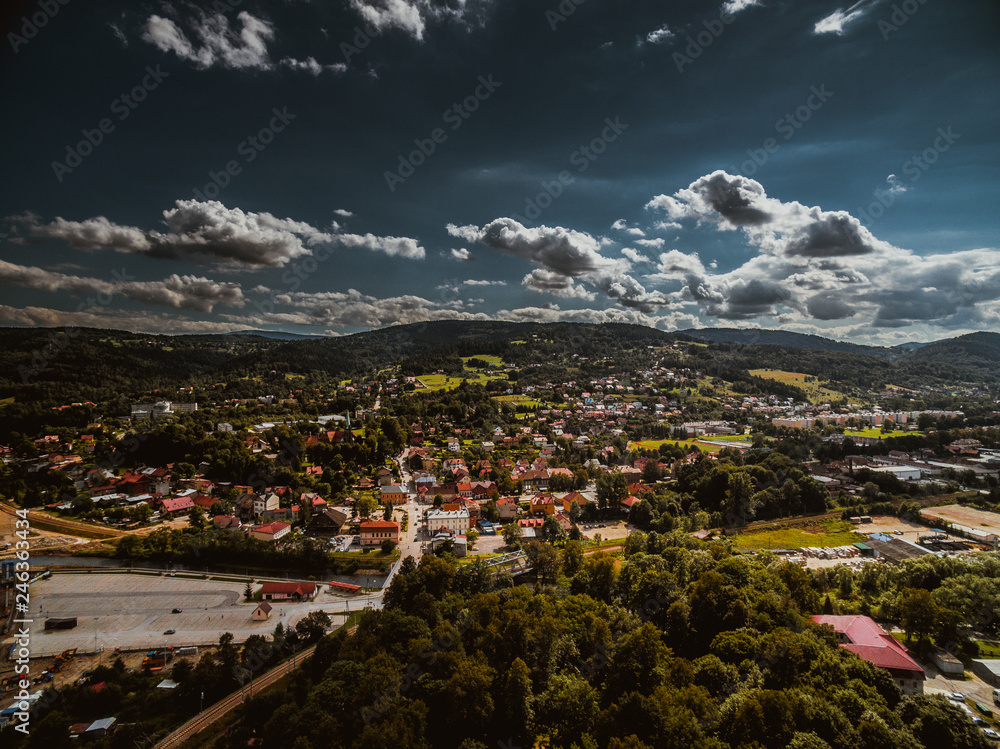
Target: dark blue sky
[336,166]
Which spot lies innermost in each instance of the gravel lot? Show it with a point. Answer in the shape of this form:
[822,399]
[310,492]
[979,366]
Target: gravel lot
[132,612]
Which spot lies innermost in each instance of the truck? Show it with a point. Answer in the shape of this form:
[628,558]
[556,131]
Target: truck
[155,660]
[65,622]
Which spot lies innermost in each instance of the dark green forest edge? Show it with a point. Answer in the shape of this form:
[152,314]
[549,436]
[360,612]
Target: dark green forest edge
[679,644]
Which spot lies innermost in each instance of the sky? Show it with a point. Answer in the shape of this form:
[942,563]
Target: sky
[330,167]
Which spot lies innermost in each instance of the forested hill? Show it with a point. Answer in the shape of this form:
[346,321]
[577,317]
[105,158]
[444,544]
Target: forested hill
[979,350]
[785,339]
[58,364]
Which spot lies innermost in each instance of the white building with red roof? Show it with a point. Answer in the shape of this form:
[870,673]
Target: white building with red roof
[271,531]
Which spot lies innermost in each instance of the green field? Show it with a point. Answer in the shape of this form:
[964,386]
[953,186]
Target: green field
[450,382]
[700,444]
[878,433]
[518,400]
[813,389]
[826,533]
[496,361]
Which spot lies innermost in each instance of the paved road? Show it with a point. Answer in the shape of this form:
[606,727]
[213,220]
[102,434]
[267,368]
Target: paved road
[226,705]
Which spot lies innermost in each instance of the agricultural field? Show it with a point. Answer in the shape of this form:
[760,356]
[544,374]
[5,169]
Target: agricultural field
[811,385]
[825,533]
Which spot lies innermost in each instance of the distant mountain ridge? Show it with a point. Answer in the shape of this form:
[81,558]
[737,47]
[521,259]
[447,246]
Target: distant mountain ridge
[279,335]
[783,338]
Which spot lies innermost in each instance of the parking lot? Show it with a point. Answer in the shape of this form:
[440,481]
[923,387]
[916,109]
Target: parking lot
[132,612]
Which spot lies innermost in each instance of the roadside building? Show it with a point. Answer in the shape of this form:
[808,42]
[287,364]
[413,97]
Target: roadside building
[272,531]
[374,532]
[456,521]
[863,637]
[262,612]
[277,591]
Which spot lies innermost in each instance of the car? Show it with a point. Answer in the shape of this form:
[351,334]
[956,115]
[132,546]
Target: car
[170,632]
[956,696]
[176,611]
[991,734]
[979,721]
[898,533]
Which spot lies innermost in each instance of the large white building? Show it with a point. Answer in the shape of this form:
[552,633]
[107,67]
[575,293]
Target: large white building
[456,521]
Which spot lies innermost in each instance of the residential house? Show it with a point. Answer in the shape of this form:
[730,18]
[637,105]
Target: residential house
[226,522]
[264,502]
[507,508]
[328,522]
[535,480]
[175,507]
[244,505]
[568,500]
[542,504]
[374,532]
[394,494]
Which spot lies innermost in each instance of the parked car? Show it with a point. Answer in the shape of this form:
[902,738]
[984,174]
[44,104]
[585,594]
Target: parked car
[991,734]
[176,611]
[170,632]
[957,697]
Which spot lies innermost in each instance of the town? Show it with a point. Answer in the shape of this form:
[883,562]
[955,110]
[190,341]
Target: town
[159,524]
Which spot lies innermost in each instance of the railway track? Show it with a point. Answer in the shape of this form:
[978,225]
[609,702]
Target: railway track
[226,705]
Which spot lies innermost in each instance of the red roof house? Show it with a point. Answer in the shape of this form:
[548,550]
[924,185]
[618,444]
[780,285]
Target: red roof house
[868,641]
